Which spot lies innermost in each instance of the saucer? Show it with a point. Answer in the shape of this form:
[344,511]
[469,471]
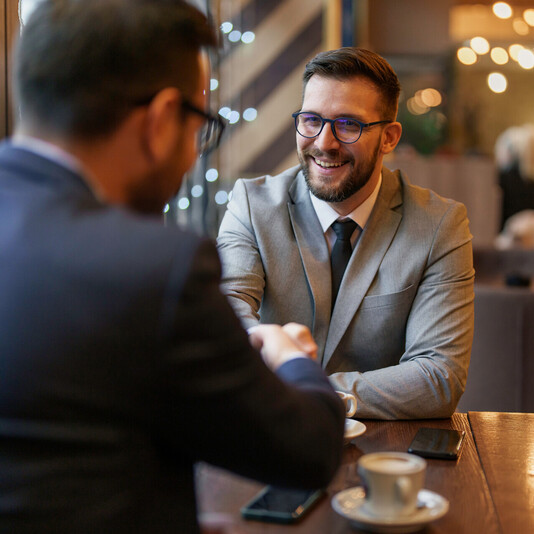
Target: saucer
[348,503]
[353,429]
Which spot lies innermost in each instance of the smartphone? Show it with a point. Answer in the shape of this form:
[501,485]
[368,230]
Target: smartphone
[437,443]
[281,505]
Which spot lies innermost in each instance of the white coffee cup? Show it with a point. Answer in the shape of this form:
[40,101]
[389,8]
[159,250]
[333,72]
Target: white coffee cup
[391,481]
[350,403]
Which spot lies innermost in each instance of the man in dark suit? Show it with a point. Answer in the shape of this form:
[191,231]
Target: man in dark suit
[121,363]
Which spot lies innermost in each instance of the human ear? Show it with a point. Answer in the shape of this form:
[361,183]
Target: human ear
[390,137]
[162,125]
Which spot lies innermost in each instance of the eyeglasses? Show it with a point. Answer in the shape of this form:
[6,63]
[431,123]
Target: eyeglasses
[209,135]
[345,129]
[211,131]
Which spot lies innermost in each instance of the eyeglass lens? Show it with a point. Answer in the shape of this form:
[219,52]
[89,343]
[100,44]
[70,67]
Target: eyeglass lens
[345,129]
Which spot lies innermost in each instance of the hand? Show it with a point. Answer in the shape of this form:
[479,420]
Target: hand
[301,335]
[279,344]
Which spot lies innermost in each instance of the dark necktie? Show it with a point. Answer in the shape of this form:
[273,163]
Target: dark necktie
[341,252]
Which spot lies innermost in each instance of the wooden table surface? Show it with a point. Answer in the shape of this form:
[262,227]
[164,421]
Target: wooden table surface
[462,482]
[505,443]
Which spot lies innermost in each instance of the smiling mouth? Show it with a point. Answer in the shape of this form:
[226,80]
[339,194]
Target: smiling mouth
[328,164]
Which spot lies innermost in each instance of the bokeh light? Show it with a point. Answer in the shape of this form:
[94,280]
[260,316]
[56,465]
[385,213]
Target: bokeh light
[466,55]
[520,26]
[415,107]
[224,112]
[248,37]
[212,175]
[197,191]
[430,97]
[497,82]
[528,15]
[233,117]
[525,58]
[250,114]
[221,197]
[499,55]
[480,45]
[514,50]
[183,203]
[502,10]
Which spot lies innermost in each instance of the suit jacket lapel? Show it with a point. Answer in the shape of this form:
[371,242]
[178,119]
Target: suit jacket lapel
[365,260]
[314,254]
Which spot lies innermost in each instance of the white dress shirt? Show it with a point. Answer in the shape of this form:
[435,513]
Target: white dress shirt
[327,215]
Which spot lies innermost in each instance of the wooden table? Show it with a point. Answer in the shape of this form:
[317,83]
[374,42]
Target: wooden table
[462,482]
[505,443]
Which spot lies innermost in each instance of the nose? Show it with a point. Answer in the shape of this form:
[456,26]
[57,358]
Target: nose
[325,140]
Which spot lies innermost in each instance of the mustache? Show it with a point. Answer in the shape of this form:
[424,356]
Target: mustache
[334,154]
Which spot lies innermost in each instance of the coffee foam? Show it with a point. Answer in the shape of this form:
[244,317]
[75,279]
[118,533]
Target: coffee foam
[392,465]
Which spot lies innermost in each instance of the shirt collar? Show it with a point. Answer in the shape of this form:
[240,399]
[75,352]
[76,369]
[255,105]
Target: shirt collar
[48,151]
[327,215]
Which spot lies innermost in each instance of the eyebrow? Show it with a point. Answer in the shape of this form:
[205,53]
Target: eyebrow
[340,116]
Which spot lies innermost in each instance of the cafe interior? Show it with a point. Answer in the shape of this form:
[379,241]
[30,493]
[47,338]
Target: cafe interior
[467,108]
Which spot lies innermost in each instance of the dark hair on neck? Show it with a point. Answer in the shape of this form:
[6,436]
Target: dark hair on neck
[349,62]
[80,66]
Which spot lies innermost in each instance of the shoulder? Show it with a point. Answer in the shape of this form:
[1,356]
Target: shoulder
[419,201]
[143,246]
[270,189]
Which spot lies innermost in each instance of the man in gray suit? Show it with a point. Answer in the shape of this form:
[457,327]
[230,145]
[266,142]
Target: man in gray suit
[398,335]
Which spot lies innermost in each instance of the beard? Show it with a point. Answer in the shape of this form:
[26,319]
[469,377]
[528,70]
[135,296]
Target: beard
[358,175]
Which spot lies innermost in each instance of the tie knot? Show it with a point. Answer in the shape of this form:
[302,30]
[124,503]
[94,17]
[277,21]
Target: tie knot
[344,229]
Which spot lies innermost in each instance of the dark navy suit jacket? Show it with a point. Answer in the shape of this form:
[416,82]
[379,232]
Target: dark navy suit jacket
[121,365]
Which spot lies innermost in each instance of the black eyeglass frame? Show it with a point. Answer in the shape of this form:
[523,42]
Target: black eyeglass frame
[332,125]
[215,123]
[213,120]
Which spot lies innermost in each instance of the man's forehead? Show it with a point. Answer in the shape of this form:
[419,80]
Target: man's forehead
[318,81]
[353,92]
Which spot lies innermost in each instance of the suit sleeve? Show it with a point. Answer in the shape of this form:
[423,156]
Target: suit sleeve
[221,404]
[243,277]
[431,375]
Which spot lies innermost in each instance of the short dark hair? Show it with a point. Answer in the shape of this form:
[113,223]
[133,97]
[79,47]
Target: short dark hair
[348,62]
[81,66]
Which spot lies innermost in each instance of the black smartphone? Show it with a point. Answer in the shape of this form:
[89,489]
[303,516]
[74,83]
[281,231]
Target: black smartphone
[281,505]
[437,443]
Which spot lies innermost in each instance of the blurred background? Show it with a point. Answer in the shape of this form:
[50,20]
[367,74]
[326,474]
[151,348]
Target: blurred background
[466,68]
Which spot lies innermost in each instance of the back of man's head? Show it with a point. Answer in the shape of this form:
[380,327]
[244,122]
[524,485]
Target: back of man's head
[82,65]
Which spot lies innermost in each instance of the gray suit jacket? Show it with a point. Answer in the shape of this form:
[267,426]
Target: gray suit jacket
[400,334]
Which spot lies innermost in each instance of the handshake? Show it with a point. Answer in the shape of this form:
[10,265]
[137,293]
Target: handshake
[280,344]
